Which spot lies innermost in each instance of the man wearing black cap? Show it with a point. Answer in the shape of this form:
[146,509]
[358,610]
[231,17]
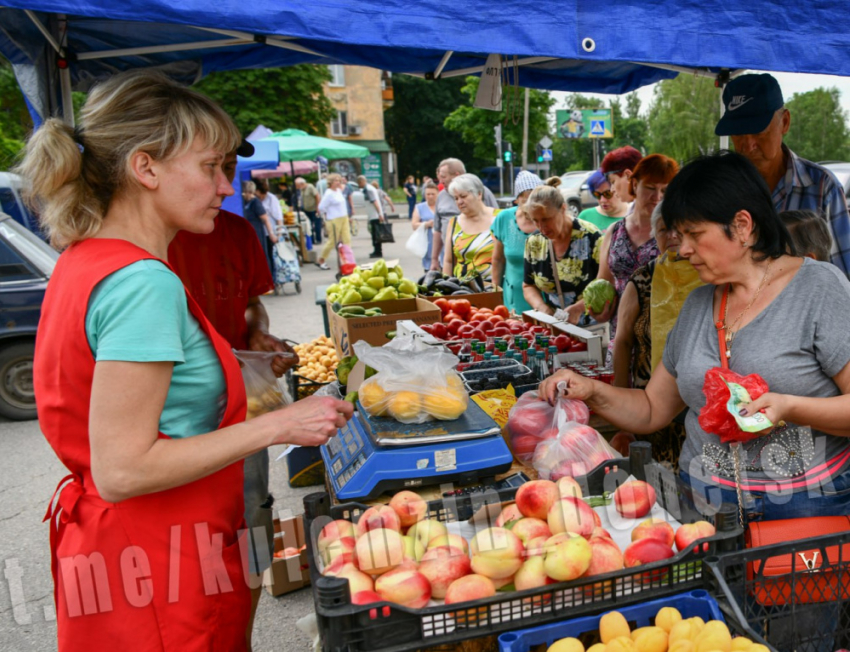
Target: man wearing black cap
[756,119]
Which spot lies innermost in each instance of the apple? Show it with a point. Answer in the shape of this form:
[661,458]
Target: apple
[453,540]
[409,507]
[654,528]
[534,498]
[634,499]
[569,487]
[601,532]
[380,517]
[646,551]
[536,547]
[508,514]
[501,583]
[568,559]
[405,587]
[443,565]
[496,553]
[426,530]
[690,532]
[334,531]
[413,548]
[530,528]
[572,515]
[340,547]
[605,556]
[357,580]
[379,551]
[465,589]
[366,597]
[532,574]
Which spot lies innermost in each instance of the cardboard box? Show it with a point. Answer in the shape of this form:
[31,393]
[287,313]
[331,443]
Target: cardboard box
[479,299]
[373,330]
[292,573]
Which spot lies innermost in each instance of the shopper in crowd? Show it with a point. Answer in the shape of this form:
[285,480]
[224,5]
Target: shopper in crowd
[255,213]
[285,193]
[756,119]
[423,214]
[639,335]
[810,234]
[562,259]
[618,166]
[387,205]
[374,214]
[447,208]
[309,203]
[611,208]
[511,229]
[777,315]
[628,244]
[138,394]
[410,193]
[348,192]
[271,204]
[333,207]
[322,184]
[469,250]
[224,273]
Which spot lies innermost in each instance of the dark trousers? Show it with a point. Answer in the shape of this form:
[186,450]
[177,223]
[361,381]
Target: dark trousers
[317,223]
[411,204]
[377,245]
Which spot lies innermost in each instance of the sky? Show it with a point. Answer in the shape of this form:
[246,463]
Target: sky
[789,82]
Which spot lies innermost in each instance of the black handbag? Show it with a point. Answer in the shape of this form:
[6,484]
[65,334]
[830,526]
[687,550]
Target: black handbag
[384,231]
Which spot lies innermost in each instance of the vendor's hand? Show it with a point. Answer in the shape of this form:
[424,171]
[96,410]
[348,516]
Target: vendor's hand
[261,341]
[774,406]
[578,387]
[310,421]
[607,313]
[620,442]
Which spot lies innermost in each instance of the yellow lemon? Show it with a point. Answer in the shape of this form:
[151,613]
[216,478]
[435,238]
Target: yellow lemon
[404,406]
[667,617]
[613,625]
[741,643]
[566,645]
[445,405]
[373,398]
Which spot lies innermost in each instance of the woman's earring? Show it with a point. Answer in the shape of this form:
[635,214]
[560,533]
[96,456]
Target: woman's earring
[745,244]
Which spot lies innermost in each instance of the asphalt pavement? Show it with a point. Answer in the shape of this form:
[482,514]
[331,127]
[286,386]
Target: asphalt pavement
[29,472]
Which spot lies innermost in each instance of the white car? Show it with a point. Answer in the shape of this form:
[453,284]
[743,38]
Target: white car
[575,191]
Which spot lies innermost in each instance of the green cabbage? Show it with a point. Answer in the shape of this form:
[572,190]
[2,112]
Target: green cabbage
[597,294]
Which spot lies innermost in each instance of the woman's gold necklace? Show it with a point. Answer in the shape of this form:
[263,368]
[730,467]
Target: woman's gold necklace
[731,331]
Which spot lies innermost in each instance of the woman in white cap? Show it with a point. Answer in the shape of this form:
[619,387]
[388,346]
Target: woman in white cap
[511,229]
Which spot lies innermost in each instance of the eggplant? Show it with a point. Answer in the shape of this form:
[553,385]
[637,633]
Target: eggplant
[447,287]
[462,291]
[421,280]
[431,278]
[474,284]
[454,279]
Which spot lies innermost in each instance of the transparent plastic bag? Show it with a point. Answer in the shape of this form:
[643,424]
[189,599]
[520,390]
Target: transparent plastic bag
[577,450]
[533,420]
[411,388]
[417,243]
[264,391]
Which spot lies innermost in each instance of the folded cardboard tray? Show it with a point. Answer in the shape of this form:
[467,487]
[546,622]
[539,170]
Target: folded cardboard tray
[291,573]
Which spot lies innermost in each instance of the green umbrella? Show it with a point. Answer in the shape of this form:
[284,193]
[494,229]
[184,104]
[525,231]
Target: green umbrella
[297,145]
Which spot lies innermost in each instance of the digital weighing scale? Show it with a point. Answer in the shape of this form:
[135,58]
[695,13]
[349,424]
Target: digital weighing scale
[373,455]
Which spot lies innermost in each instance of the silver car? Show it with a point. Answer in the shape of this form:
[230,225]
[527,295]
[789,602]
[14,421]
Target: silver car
[576,193]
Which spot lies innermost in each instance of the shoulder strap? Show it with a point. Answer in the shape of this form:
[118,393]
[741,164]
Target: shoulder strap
[555,276]
[452,225]
[721,330]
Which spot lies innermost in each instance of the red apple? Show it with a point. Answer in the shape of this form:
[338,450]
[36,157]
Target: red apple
[535,498]
[606,556]
[405,587]
[409,506]
[690,532]
[509,513]
[378,518]
[530,528]
[572,515]
[443,565]
[634,499]
[654,528]
[646,551]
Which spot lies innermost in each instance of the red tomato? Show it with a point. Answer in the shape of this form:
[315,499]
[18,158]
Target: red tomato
[516,329]
[485,311]
[539,329]
[455,325]
[578,346]
[486,326]
[496,319]
[442,304]
[479,335]
[440,331]
[427,328]
[477,317]
[500,331]
[501,311]
[562,342]
[460,306]
[449,317]
[465,331]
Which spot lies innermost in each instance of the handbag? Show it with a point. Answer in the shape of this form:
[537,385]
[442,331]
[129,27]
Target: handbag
[384,231]
[796,577]
[417,243]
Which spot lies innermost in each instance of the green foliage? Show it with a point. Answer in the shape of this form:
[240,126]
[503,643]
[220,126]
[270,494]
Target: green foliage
[15,121]
[414,125]
[818,126]
[629,127]
[475,126]
[279,98]
[682,117]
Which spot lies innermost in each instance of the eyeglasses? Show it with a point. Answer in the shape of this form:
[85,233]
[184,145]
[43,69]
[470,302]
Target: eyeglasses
[607,194]
[608,174]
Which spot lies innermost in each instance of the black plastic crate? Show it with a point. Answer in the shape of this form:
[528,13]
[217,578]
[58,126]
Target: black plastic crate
[301,387]
[389,627]
[804,610]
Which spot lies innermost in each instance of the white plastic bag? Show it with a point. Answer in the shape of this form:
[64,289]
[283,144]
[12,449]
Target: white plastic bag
[577,450]
[263,390]
[285,250]
[417,243]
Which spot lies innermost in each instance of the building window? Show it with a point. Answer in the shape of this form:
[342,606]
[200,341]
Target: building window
[337,75]
[339,125]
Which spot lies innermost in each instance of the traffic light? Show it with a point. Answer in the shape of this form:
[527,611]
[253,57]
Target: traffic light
[539,153]
[507,151]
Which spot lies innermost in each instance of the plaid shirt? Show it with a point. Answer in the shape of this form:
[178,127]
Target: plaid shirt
[808,186]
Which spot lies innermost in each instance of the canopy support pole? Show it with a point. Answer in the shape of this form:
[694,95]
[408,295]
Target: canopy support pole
[439,70]
[156,49]
[46,34]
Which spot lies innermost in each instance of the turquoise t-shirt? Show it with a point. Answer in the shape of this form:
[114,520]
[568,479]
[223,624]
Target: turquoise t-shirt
[602,222]
[506,231]
[140,314]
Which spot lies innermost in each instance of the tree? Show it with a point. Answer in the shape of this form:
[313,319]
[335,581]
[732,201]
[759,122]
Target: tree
[629,127]
[475,126]
[414,124]
[279,98]
[682,117]
[818,125]
[15,121]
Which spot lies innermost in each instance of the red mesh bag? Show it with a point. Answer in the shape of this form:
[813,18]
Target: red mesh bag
[714,416]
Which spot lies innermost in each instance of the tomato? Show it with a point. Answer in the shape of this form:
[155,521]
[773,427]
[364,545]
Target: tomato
[455,325]
[477,317]
[562,342]
[486,326]
[460,306]
[539,329]
[501,331]
[496,319]
[578,346]
[465,331]
[427,328]
[449,316]
[502,311]
[440,331]
[479,335]
[516,329]
[442,304]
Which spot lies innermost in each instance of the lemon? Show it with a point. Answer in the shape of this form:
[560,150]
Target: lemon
[404,406]
[443,404]
[613,625]
[667,617]
[373,398]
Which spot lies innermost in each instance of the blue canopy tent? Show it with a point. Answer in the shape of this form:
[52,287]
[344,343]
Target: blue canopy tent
[613,47]
[265,158]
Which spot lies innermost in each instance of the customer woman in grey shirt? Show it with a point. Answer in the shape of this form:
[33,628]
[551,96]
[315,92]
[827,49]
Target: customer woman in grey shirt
[786,319]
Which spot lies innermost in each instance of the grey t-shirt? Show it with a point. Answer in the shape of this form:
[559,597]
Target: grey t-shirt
[446,208]
[797,344]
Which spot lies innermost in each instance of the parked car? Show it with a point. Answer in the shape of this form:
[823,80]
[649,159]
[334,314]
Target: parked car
[841,171]
[11,189]
[576,192]
[490,178]
[26,263]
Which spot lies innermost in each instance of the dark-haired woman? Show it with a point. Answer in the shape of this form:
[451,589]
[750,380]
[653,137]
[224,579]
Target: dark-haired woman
[780,316]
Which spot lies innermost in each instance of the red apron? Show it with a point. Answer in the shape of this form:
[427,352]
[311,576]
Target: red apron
[157,572]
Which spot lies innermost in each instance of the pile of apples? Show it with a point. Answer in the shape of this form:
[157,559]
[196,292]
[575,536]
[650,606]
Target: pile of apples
[548,535]
[671,632]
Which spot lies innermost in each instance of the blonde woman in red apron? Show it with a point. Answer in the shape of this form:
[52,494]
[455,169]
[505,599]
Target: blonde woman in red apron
[138,395]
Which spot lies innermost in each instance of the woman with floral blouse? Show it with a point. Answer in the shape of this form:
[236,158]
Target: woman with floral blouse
[568,245]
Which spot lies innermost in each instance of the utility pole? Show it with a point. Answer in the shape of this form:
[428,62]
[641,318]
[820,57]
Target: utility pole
[497,132]
[525,133]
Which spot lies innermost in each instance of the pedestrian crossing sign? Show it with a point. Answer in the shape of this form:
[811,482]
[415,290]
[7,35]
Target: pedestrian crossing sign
[597,127]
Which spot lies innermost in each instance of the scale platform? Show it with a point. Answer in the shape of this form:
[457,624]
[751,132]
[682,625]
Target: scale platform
[374,455]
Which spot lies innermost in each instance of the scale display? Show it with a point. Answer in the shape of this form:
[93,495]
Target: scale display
[371,456]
